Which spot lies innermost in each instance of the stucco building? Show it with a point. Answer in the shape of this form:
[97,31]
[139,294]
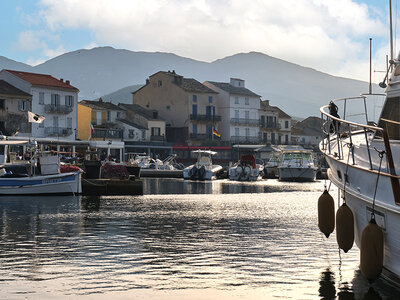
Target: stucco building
[53,98]
[13,110]
[239,109]
[187,106]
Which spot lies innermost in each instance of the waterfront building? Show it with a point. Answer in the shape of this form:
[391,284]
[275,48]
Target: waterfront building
[13,116]
[97,121]
[308,132]
[53,98]
[275,124]
[239,108]
[187,106]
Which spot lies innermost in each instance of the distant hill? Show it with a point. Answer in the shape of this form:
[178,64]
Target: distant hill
[298,90]
[123,95]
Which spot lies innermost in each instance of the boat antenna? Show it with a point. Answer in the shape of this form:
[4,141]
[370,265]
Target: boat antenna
[370,66]
[391,31]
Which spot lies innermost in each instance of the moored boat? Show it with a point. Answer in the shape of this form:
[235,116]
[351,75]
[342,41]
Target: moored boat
[297,165]
[203,169]
[246,169]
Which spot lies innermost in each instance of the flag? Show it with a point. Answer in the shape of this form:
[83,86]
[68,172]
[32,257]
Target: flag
[91,127]
[35,118]
[216,133]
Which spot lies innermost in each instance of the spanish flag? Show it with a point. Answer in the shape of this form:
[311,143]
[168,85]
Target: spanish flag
[216,133]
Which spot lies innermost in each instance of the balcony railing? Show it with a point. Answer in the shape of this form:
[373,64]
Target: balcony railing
[157,138]
[57,109]
[205,118]
[57,131]
[245,139]
[108,133]
[200,136]
[270,125]
[245,121]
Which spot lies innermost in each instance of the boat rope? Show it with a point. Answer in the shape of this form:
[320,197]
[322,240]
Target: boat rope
[346,173]
[381,153]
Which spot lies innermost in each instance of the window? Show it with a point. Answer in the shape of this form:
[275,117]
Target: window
[69,122]
[273,138]
[236,100]
[194,109]
[194,98]
[155,131]
[246,114]
[209,131]
[23,105]
[194,129]
[41,97]
[159,83]
[247,132]
[55,99]
[236,131]
[210,99]
[246,101]
[2,104]
[213,111]
[286,124]
[286,139]
[108,116]
[69,101]
[236,114]
[208,110]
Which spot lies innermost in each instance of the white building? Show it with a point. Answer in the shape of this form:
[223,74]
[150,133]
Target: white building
[239,110]
[53,98]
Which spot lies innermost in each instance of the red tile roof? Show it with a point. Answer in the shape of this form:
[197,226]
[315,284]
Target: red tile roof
[42,79]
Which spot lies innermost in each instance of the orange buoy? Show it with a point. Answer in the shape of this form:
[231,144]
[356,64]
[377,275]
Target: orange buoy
[371,251]
[326,213]
[345,228]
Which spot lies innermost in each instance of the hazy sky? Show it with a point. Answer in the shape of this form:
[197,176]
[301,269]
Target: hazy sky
[329,35]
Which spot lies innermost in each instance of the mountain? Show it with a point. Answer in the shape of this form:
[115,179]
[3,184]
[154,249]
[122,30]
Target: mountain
[123,95]
[296,89]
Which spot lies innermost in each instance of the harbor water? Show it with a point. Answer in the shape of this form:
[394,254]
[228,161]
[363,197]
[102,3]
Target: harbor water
[181,240]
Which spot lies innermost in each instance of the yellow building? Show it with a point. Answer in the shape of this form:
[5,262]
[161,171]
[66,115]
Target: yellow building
[84,119]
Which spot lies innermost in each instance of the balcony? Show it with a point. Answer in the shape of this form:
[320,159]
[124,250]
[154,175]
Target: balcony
[270,126]
[57,109]
[205,118]
[57,131]
[157,138]
[200,136]
[245,121]
[245,139]
[104,133]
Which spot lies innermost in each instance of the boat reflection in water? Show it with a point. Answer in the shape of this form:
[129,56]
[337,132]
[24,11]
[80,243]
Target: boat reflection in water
[179,246]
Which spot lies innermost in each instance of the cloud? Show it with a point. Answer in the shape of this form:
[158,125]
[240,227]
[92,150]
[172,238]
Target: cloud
[328,35]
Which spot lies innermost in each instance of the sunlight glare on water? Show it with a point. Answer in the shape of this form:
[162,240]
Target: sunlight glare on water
[241,241]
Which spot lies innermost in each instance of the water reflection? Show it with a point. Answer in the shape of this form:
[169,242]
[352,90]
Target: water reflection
[265,243]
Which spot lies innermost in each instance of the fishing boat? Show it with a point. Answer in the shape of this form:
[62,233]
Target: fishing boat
[203,169]
[245,169]
[297,165]
[40,175]
[364,161]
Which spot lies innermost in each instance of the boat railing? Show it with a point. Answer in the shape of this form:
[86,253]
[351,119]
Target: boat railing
[336,128]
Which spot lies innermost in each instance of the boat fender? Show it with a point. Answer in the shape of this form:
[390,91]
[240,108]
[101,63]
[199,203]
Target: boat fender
[371,251]
[326,213]
[201,172]
[345,228]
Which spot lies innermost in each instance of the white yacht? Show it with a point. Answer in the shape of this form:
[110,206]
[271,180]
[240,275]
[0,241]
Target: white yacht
[364,161]
[297,165]
[203,169]
[246,169]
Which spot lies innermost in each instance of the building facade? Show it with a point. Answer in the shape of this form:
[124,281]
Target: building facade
[53,98]
[187,106]
[13,113]
[239,108]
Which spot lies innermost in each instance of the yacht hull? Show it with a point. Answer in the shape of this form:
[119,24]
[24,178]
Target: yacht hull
[296,174]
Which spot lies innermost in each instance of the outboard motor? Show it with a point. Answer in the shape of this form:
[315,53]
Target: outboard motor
[193,172]
[201,172]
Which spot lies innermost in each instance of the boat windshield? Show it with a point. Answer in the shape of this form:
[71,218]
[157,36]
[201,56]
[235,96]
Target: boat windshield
[390,118]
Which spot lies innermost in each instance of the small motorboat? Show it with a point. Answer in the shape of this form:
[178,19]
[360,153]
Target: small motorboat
[297,165]
[203,169]
[246,169]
